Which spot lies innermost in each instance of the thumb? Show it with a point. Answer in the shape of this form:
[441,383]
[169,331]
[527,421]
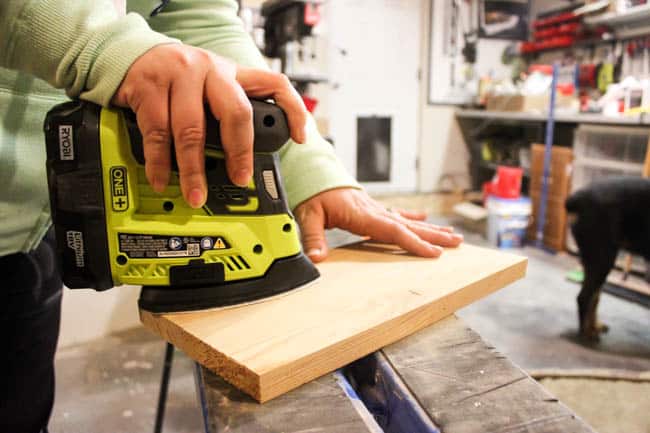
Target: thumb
[311,220]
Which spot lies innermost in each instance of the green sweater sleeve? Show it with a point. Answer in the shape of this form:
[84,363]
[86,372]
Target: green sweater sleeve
[307,168]
[80,45]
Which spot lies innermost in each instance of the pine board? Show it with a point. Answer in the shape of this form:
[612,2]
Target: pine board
[368,296]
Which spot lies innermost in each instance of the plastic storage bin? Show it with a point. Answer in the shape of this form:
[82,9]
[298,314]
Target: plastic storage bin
[608,143]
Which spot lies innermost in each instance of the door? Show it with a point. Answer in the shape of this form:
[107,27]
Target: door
[373,108]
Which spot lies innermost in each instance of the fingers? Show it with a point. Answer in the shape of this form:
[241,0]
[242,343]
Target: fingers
[153,121]
[167,87]
[230,105]
[385,229]
[265,84]
[420,217]
[188,128]
[353,210]
[412,215]
[435,236]
[311,219]
[448,229]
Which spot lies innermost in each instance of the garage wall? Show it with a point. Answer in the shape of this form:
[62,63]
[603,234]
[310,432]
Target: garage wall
[441,146]
[377,76]
[443,155]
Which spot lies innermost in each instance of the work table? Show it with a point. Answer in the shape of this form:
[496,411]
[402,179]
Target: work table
[444,378]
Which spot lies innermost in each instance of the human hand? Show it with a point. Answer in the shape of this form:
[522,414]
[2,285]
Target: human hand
[168,88]
[354,210]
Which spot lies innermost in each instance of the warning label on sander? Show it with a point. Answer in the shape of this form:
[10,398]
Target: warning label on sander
[142,246]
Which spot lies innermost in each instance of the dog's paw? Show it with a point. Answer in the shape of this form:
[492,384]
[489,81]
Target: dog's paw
[601,328]
[592,333]
[589,335]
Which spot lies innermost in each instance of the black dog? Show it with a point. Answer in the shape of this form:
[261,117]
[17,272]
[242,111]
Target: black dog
[609,215]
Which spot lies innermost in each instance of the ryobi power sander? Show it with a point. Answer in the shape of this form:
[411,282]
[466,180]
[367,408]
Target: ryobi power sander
[113,229]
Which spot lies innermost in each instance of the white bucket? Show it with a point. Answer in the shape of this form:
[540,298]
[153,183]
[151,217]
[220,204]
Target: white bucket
[508,220]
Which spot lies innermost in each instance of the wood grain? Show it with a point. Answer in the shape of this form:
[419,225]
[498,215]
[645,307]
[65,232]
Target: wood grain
[369,295]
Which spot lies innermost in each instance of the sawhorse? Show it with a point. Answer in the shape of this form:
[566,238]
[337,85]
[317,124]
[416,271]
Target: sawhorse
[443,379]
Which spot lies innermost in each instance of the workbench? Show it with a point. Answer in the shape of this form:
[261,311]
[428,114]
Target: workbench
[444,378]
[514,130]
[518,116]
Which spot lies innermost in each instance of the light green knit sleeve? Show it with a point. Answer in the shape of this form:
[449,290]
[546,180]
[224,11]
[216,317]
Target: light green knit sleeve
[307,168]
[79,45]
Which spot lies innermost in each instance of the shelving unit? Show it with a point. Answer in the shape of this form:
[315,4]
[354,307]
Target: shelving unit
[629,24]
[614,19]
[560,118]
[475,123]
[494,166]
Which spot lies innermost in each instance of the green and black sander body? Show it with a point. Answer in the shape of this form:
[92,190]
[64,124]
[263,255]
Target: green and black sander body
[112,228]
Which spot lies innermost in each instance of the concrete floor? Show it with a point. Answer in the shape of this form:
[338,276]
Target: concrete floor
[111,385]
[117,379]
[611,406]
[534,322]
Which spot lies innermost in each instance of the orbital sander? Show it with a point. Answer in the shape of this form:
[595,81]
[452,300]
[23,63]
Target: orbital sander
[112,228]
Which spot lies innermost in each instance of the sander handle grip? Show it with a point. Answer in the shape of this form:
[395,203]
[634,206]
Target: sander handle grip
[270,126]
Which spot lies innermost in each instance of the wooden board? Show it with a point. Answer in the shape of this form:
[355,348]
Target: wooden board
[368,296]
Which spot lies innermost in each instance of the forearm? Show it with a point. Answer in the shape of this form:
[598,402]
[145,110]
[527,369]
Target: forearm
[210,24]
[79,45]
[311,168]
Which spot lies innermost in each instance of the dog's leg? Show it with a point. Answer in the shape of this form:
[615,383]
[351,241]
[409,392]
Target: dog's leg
[599,326]
[595,275]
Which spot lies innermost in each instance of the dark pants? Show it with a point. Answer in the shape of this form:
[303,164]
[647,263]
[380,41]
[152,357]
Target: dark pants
[30,309]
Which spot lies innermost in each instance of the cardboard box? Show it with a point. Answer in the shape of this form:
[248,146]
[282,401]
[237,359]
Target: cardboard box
[555,224]
[559,181]
[558,191]
[505,103]
[529,103]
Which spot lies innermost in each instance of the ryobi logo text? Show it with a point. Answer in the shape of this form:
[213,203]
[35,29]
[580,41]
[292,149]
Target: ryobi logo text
[66,146]
[119,189]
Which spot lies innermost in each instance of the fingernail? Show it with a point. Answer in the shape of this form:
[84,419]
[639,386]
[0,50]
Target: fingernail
[243,177]
[197,198]
[158,186]
[157,183]
[314,252]
[458,236]
[437,248]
